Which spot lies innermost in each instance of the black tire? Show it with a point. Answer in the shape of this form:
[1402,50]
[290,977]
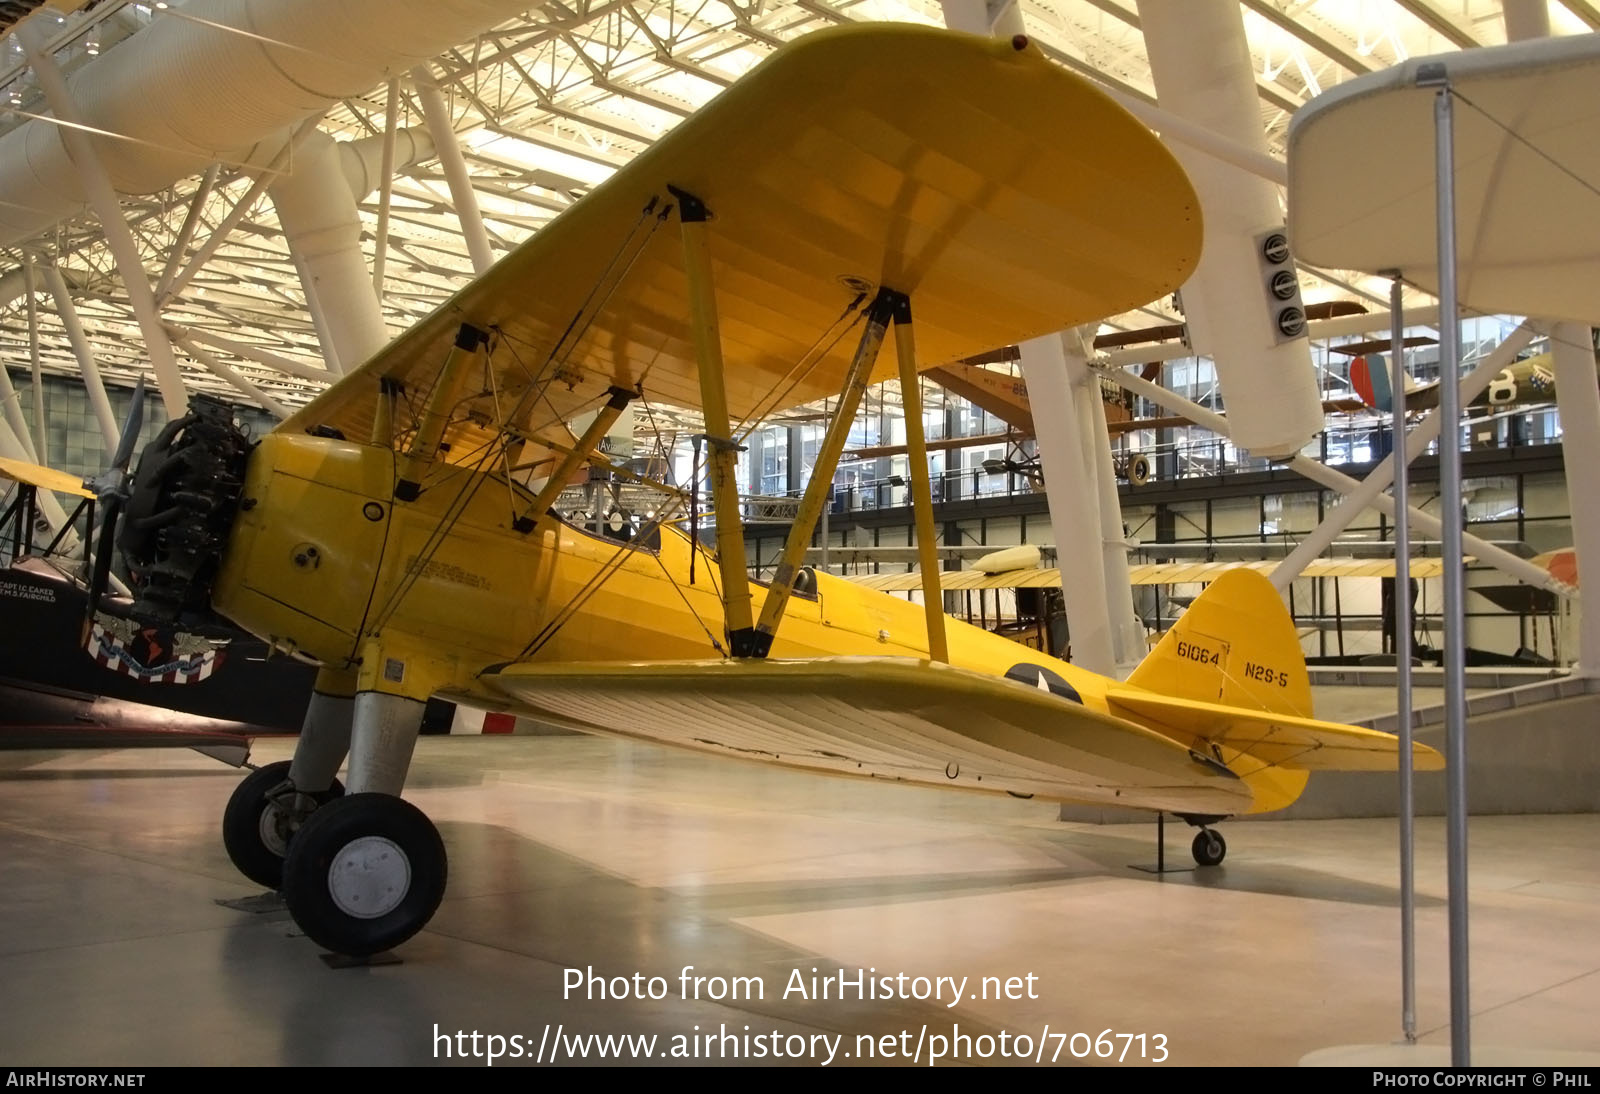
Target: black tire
[1209,848]
[408,891]
[242,823]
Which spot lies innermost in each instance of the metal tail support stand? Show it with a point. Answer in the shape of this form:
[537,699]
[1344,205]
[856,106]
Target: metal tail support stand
[1161,866]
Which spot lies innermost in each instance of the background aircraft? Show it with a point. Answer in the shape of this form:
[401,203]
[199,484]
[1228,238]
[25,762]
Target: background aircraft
[133,685]
[75,678]
[1522,383]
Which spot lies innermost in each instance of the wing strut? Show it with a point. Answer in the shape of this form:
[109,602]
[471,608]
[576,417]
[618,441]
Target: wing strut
[921,486]
[436,414]
[816,495]
[22,514]
[723,450]
[578,453]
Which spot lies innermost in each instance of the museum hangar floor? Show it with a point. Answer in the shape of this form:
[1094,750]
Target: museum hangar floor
[572,852]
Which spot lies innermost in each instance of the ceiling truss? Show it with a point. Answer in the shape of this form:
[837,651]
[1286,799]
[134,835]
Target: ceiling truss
[548,106]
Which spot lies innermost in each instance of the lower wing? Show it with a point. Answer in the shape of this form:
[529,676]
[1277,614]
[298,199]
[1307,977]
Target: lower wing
[886,718]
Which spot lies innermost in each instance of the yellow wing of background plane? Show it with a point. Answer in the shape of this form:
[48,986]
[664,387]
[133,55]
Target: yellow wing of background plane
[1149,573]
[890,718]
[45,478]
[1007,196]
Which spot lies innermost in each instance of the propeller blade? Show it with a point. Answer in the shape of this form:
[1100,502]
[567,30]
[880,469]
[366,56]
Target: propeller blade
[103,554]
[130,428]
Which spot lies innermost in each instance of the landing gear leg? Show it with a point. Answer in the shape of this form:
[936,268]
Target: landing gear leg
[367,872]
[263,815]
[271,804]
[1209,847]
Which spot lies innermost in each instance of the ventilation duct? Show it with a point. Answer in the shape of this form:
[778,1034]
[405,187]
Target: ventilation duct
[221,80]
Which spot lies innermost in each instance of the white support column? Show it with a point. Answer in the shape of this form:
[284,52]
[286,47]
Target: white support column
[1002,18]
[380,247]
[437,115]
[1525,19]
[119,239]
[1418,439]
[1074,506]
[1572,355]
[1577,396]
[319,318]
[68,314]
[1070,475]
[16,424]
[997,17]
[41,436]
[1127,633]
[1200,62]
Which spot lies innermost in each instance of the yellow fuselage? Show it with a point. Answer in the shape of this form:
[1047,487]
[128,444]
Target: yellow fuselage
[324,563]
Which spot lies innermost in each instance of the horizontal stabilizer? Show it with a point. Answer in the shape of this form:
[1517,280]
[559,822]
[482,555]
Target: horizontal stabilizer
[1281,740]
[889,718]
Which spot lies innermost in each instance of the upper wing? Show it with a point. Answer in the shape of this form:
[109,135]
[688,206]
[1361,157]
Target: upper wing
[1007,196]
[885,718]
[1280,740]
[44,478]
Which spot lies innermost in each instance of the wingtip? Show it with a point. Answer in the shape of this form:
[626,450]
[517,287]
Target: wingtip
[1424,758]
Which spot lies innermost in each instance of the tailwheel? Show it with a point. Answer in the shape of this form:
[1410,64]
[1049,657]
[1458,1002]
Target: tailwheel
[1209,847]
[263,814]
[364,874]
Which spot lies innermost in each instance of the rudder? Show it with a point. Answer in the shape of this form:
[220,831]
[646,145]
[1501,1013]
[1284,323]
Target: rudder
[1370,378]
[1237,646]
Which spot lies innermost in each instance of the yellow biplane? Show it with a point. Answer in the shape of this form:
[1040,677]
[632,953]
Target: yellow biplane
[753,260]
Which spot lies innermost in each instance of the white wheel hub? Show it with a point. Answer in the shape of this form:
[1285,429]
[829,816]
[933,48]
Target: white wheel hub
[369,877]
[271,831]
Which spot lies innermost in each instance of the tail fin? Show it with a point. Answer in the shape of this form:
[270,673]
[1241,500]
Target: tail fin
[1229,679]
[1370,377]
[1236,646]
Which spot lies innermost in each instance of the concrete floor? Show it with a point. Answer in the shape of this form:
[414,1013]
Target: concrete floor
[575,852]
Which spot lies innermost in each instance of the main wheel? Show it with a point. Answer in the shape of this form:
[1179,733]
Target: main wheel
[364,874]
[256,829]
[1209,848]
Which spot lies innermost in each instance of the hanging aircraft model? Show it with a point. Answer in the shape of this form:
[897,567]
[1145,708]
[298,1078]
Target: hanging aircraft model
[857,178]
[1522,383]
